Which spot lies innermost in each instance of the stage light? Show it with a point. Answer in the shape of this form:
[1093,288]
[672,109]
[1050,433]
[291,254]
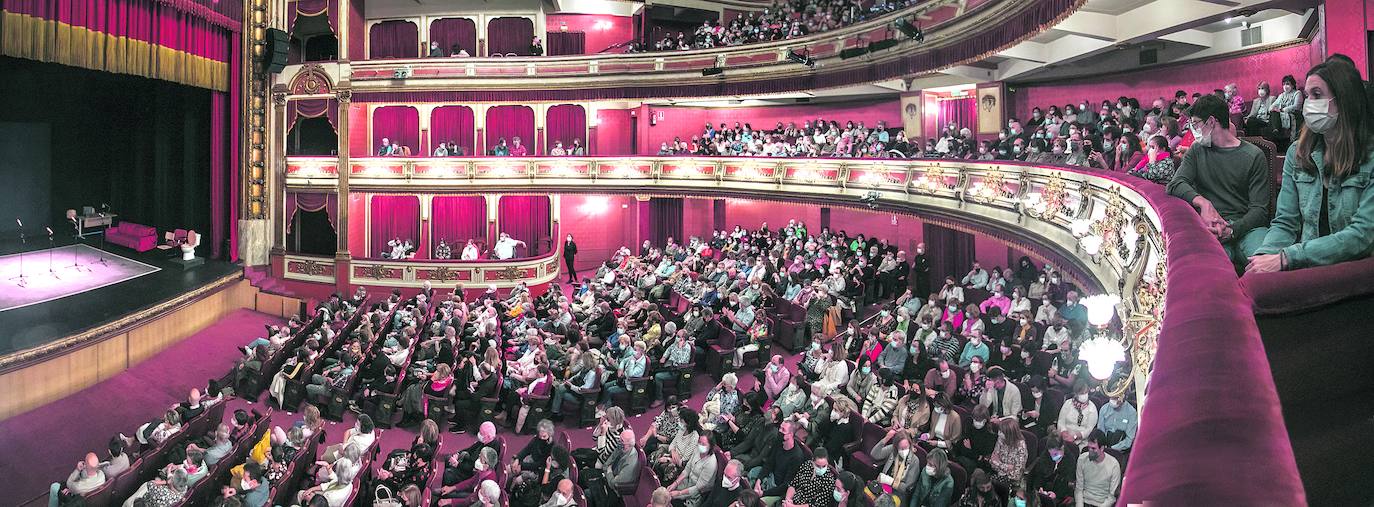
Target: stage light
[712,71]
[909,30]
[796,57]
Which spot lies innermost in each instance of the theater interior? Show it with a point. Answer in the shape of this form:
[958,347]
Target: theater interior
[698,253]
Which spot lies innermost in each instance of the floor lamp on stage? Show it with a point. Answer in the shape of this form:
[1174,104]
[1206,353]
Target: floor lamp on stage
[23,242]
[51,246]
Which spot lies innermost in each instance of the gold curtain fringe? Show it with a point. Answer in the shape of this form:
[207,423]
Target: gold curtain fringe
[32,38]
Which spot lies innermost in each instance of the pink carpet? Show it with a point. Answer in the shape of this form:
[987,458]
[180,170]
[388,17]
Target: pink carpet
[43,445]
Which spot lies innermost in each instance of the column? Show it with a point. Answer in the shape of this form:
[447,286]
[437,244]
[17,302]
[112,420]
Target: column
[342,269]
[275,200]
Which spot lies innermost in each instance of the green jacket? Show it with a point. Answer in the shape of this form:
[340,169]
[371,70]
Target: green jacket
[933,493]
[1350,211]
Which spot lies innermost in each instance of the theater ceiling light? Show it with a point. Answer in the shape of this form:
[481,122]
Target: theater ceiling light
[1103,351]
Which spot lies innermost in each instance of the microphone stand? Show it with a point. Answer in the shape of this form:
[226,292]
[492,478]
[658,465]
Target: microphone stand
[51,246]
[23,243]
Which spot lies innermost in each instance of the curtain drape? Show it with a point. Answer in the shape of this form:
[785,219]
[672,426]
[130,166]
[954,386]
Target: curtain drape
[393,39]
[509,35]
[312,108]
[312,8]
[961,112]
[182,42]
[565,122]
[526,218]
[218,179]
[311,201]
[509,122]
[665,220]
[450,31]
[456,219]
[399,124]
[392,217]
[951,252]
[565,43]
[452,123]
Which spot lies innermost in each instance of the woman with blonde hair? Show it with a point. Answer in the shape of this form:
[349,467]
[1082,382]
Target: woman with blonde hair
[1009,456]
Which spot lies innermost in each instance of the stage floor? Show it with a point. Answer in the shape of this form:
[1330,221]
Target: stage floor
[82,299]
[45,275]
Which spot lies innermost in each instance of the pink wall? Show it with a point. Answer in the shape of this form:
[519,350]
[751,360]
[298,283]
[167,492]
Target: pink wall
[989,252]
[906,232]
[1346,22]
[613,134]
[621,29]
[685,122]
[599,224]
[357,224]
[751,214]
[1246,71]
[358,142]
[357,31]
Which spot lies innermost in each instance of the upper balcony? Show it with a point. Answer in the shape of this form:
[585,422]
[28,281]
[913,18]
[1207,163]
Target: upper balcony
[953,32]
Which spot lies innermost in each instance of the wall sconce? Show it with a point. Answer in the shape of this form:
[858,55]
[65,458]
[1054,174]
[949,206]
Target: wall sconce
[807,174]
[595,205]
[872,178]
[562,170]
[1102,352]
[931,181]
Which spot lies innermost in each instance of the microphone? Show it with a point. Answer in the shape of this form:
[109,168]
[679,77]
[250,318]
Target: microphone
[20,222]
[49,230]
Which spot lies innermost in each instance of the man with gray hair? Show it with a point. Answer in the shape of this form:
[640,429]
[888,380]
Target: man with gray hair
[731,484]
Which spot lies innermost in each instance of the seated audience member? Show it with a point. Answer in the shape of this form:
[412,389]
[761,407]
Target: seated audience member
[1225,178]
[119,459]
[1002,398]
[1325,211]
[435,51]
[1078,417]
[898,466]
[338,489]
[457,51]
[981,492]
[517,149]
[813,485]
[361,435]
[1098,474]
[1117,419]
[161,492]
[936,485]
[220,444]
[85,478]
[1256,122]
[1009,458]
[253,486]
[622,466]
[1285,111]
[465,492]
[1053,472]
[505,246]
[1158,163]
[158,431]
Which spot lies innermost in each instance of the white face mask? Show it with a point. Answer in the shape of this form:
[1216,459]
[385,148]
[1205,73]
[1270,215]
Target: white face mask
[930,470]
[726,483]
[904,453]
[1082,398]
[1317,113]
[702,449]
[979,424]
[479,465]
[974,367]
[1203,139]
[944,374]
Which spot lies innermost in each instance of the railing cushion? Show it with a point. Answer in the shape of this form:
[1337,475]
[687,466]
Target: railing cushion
[1295,291]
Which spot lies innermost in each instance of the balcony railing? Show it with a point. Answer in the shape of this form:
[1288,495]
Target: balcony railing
[1125,236]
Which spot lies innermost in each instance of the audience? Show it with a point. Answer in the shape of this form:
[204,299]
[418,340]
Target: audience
[783,20]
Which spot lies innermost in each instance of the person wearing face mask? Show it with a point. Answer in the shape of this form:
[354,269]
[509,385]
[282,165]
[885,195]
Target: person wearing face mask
[899,466]
[1224,178]
[1284,112]
[892,360]
[981,492]
[834,430]
[603,484]
[562,495]
[732,483]
[1043,411]
[974,382]
[985,151]
[975,348]
[935,486]
[464,493]
[945,346]
[861,380]
[1002,397]
[1257,121]
[879,402]
[1326,202]
[1127,153]
[1054,470]
[1117,419]
[1078,417]
[1097,476]
[814,483]
[1158,163]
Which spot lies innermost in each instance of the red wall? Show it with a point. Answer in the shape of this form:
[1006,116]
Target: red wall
[1146,85]
[598,231]
[751,214]
[697,218]
[906,231]
[358,142]
[685,122]
[621,29]
[1346,22]
[613,133]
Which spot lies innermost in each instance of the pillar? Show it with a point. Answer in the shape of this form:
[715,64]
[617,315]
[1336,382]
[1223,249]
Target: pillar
[1347,22]
[342,269]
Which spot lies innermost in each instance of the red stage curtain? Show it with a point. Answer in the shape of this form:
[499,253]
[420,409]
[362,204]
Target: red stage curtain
[312,108]
[394,39]
[218,180]
[312,8]
[565,43]
[526,218]
[450,31]
[179,41]
[452,123]
[509,35]
[961,112]
[457,219]
[565,122]
[400,124]
[509,122]
[951,252]
[311,201]
[393,216]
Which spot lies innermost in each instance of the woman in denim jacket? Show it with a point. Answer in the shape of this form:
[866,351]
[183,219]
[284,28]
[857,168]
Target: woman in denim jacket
[1326,205]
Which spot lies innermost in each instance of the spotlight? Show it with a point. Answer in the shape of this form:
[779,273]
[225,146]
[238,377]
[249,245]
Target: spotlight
[879,45]
[870,199]
[853,52]
[796,57]
[909,30]
[402,73]
[712,71]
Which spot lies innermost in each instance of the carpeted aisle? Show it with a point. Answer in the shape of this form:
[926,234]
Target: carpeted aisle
[42,446]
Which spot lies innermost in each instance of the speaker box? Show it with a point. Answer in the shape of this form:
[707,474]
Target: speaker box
[712,71]
[278,44]
[879,45]
[848,53]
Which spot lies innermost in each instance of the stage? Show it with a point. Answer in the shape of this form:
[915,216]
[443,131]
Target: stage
[69,300]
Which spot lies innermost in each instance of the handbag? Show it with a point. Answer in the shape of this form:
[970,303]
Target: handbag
[383,497]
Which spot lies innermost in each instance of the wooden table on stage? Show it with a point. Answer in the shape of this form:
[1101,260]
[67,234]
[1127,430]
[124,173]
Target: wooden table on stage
[96,221]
